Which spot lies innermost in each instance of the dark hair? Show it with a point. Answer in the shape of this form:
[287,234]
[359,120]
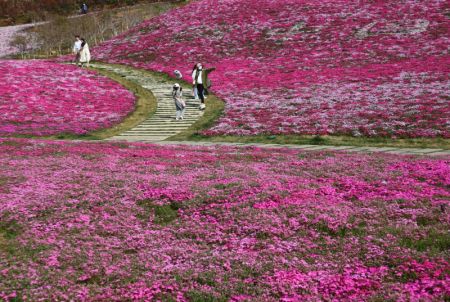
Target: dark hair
[77,36]
[195,67]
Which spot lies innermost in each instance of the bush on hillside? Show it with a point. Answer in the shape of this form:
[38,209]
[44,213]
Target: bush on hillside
[32,10]
[57,36]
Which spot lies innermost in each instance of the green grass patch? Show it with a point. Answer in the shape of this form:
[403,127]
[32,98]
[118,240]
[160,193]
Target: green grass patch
[434,241]
[439,143]
[10,229]
[163,214]
[199,296]
[207,278]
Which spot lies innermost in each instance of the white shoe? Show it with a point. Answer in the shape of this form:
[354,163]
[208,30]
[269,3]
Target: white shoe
[202,106]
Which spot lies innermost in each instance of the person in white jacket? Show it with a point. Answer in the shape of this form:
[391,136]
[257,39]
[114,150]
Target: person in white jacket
[76,49]
[85,54]
[180,104]
[194,87]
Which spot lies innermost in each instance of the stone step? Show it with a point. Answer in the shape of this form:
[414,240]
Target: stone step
[167,125]
[153,128]
[165,114]
[147,137]
[172,107]
[168,117]
[172,112]
[176,124]
[138,138]
[191,109]
[169,120]
[150,132]
[145,134]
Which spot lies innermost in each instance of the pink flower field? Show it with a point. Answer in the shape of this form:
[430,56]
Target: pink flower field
[137,222]
[45,98]
[359,68]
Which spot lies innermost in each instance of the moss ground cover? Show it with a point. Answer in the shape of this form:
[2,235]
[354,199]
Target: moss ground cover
[116,221]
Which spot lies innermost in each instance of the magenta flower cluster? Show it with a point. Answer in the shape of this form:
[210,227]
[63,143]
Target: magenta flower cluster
[45,98]
[136,222]
[371,68]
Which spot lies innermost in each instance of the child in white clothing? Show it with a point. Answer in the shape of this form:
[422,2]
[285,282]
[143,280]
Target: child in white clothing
[180,104]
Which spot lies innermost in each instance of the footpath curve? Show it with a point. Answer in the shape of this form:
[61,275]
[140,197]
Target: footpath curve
[162,124]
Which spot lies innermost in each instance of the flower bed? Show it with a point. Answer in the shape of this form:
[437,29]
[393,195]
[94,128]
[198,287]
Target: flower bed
[371,68]
[44,98]
[115,222]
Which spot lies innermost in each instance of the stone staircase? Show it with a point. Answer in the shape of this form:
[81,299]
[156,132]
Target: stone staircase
[162,124]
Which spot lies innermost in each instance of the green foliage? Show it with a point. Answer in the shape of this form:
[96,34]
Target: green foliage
[198,296]
[434,241]
[32,10]
[10,229]
[163,214]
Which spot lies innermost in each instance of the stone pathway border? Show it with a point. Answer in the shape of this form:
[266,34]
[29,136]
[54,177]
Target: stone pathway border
[162,124]
[390,150]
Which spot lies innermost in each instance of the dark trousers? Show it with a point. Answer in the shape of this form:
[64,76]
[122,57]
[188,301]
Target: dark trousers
[201,90]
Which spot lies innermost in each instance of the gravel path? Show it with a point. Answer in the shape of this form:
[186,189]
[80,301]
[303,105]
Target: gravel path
[6,36]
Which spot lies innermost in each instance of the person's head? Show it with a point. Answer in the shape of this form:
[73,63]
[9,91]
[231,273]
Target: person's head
[77,37]
[176,86]
[199,66]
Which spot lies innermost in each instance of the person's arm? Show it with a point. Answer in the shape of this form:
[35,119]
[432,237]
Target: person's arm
[208,70]
[193,76]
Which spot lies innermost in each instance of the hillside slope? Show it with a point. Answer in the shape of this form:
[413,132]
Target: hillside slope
[372,68]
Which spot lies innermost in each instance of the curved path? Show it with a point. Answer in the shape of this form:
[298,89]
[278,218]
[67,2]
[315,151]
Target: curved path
[162,124]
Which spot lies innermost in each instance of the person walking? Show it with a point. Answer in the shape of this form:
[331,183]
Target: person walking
[180,104]
[85,54]
[201,81]
[77,48]
[194,87]
[84,8]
